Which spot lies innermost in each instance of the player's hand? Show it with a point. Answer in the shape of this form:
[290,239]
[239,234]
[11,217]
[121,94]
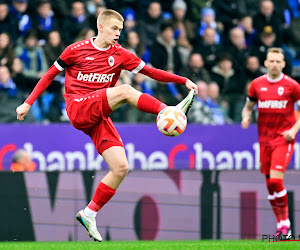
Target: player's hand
[190,85]
[245,122]
[22,111]
[289,135]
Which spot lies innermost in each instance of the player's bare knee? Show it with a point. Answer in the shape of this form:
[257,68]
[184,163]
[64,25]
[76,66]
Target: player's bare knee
[122,170]
[126,91]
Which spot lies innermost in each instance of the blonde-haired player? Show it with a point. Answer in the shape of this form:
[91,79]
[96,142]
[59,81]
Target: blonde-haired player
[92,69]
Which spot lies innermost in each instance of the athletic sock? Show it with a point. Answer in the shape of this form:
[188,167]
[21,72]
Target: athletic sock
[102,195]
[272,200]
[282,204]
[279,225]
[281,199]
[88,212]
[286,223]
[149,104]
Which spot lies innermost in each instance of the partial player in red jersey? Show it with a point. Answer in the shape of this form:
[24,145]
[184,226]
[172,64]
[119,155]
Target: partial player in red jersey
[92,68]
[275,94]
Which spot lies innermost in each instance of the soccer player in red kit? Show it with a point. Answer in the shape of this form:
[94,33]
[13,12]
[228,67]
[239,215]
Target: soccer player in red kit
[93,67]
[275,94]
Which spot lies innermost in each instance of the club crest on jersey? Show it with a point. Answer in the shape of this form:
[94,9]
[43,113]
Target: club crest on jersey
[111,61]
[280,90]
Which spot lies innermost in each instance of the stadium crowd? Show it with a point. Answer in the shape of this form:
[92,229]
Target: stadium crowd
[219,44]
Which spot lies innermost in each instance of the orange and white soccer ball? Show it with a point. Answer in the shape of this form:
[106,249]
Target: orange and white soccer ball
[171,121]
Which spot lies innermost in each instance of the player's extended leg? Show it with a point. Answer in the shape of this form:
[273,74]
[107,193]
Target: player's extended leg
[273,203]
[116,159]
[281,200]
[120,95]
[281,156]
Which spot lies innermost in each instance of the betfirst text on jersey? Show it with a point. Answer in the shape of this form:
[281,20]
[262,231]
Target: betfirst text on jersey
[95,77]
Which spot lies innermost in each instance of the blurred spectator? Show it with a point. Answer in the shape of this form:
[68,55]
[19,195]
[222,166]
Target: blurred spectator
[253,68]
[133,44]
[237,48]
[6,50]
[93,17]
[218,108]
[32,56]
[165,56]
[267,17]
[75,22]
[149,26]
[44,21]
[19,9]
[248,7]
[8,22]
[21,161]
[225,76]
[129,23]
[25,84]
[57,107]
[294,37]
[208,20]
[184,29]
[294,5]
[267,39]
[284,12]
[246,24]
[84,34]
[10,97]
[53,47]
[200,112]
[227,13]
[208,48]
[92,5]
[6,82]
[195,7]
[195,69]
[231,83]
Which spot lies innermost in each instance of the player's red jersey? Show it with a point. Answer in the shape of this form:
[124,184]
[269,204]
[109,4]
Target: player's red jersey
[90,68]
[275,102]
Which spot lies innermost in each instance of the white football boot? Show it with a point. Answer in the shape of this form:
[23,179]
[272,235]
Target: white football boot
[187,102]
[90,224]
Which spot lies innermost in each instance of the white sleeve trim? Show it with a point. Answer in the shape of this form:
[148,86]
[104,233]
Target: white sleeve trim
[138,68]
[298,102]
[60,68]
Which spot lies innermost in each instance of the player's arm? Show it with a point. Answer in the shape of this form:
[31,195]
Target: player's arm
[40,87]
[247,112]
[291,133]
[164,76]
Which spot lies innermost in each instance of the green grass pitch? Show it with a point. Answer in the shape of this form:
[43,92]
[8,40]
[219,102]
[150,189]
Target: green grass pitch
[144,245]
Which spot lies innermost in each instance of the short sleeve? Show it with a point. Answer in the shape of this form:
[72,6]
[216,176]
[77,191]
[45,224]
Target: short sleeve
[252,93]
[131,62]
[65,59]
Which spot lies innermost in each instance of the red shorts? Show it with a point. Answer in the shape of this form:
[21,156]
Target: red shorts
[90,114]
[275,157]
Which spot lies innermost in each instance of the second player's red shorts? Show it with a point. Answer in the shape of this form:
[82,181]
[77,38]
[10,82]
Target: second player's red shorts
[275,157]
[90,114]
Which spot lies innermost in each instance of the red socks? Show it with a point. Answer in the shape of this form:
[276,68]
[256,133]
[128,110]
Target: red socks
[272,200]
[102,195]
[281,200]
[149,104]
